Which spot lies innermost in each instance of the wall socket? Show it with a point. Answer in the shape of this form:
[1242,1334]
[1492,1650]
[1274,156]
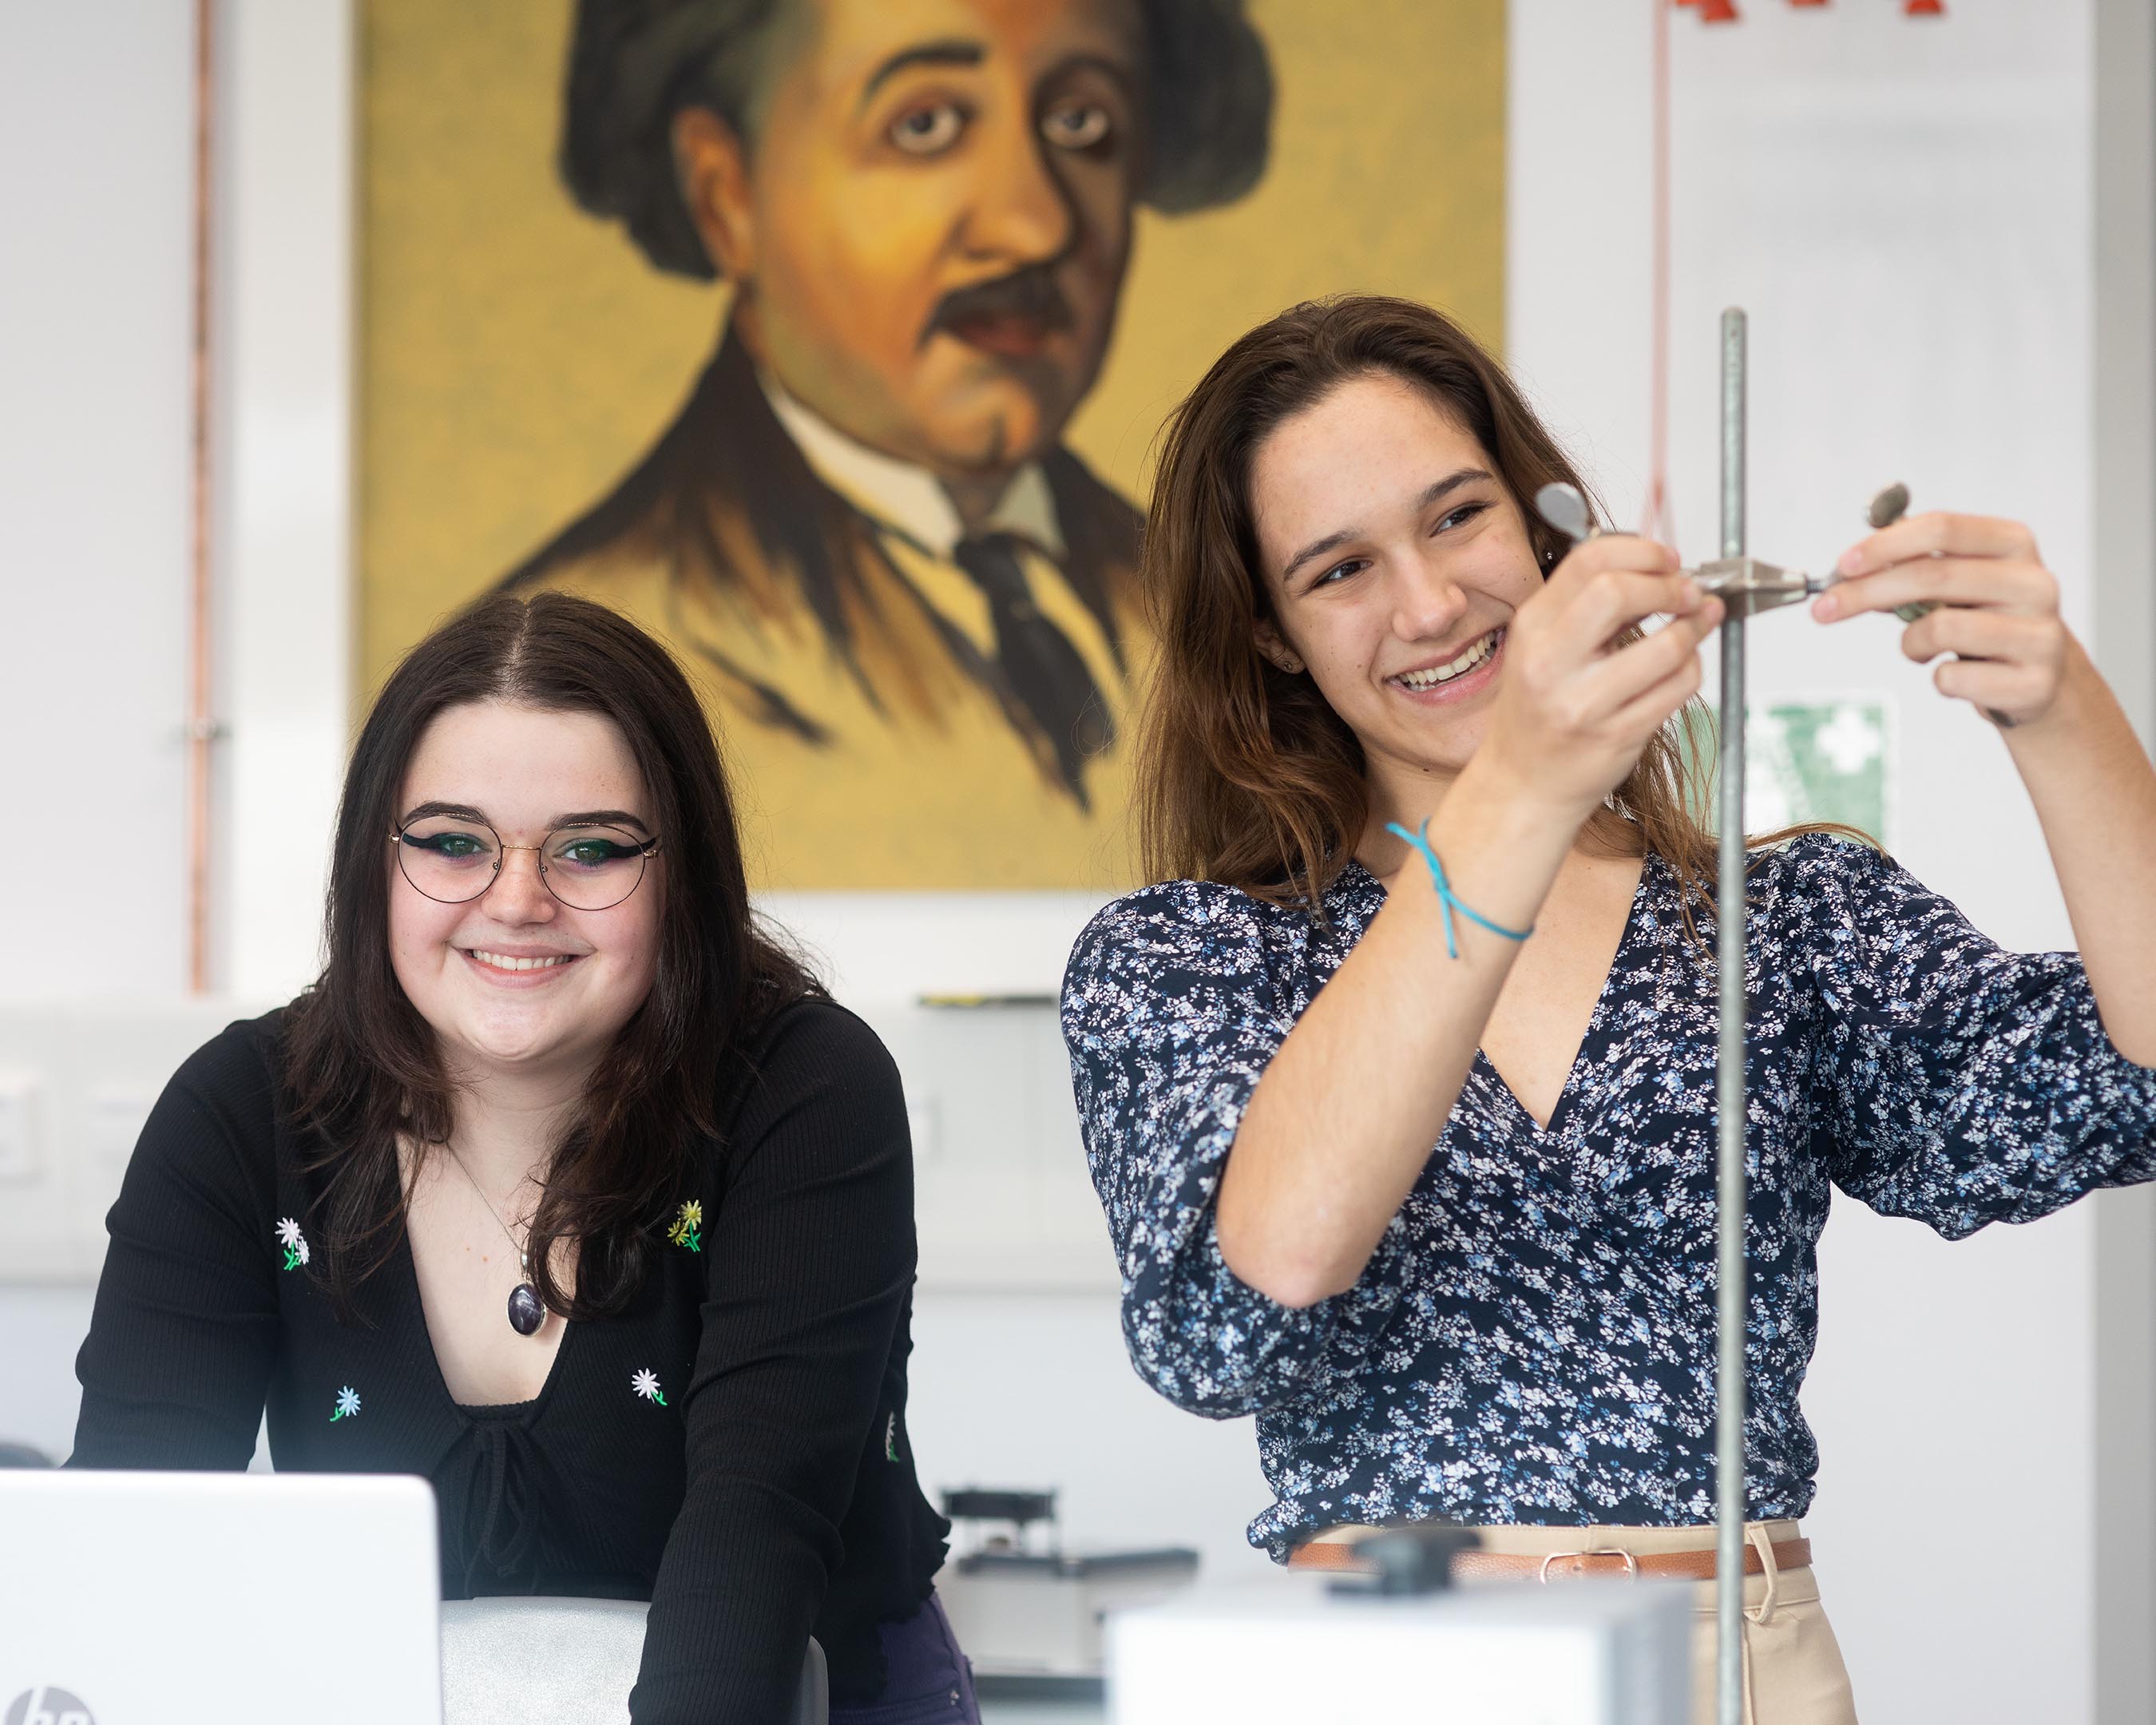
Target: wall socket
[77,1080]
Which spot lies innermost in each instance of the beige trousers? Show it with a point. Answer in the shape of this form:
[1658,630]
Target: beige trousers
[1792,1669]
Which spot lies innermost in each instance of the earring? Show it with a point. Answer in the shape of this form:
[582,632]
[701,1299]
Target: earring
[1292,665]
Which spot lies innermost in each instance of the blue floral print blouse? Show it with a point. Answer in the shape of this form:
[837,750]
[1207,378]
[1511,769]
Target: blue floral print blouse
[1532,1340]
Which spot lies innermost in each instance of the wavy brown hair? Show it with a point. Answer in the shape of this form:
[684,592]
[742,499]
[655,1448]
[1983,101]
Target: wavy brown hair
[1245,775]
[362,1067]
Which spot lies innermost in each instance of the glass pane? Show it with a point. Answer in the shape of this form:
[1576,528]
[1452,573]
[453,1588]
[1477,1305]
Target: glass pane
[448,859]
[593,867]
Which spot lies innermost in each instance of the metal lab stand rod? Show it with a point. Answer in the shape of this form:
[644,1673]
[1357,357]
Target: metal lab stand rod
[1729,1073]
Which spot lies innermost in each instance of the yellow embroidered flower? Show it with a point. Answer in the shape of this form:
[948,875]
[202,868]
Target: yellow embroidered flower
[688,1229]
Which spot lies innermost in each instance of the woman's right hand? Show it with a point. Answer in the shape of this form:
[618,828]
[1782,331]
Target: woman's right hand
[1574,708]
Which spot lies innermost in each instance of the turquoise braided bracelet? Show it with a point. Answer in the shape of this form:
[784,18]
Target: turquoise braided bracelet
[1447,896]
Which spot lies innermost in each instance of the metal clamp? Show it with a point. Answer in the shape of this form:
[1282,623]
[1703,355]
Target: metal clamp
[1631,1562]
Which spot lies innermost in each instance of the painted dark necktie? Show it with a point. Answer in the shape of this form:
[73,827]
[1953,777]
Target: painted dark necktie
[1044,676]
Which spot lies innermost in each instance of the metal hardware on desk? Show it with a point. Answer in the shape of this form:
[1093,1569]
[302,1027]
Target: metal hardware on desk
[1029,1614]
[1410,1561]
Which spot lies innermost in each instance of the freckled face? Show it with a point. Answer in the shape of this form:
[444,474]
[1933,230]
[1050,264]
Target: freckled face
[909,153]
[515,981]
[1394,559]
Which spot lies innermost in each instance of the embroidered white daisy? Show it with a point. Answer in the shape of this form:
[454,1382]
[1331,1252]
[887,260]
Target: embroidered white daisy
[294,1242]
[347,1404]
[646,1384]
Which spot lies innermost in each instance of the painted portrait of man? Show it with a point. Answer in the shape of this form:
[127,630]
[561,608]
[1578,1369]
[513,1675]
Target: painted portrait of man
[830,340]
[864,527]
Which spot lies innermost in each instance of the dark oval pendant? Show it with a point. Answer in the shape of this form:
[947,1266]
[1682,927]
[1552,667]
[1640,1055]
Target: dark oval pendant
[525,1313]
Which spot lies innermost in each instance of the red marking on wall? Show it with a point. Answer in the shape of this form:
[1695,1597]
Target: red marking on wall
[1725,11]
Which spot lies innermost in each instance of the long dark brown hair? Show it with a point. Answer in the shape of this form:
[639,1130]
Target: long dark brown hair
[1245,775]
[361,1066]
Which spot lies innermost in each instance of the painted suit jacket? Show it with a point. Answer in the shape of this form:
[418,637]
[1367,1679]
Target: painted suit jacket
[871,736]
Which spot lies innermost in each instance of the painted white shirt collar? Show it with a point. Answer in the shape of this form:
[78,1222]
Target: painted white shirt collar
[907,499]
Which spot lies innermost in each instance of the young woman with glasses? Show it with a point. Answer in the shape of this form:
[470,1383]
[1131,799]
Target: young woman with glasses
[564,1187]
[1435,1199]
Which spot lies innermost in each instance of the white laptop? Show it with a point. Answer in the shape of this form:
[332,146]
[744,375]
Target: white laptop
[213,1598]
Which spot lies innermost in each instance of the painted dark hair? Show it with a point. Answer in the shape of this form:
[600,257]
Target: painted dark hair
[633,64]
[361,1064]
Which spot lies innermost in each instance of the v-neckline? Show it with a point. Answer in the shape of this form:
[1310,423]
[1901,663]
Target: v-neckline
[1595,1018]
[1595,1026]
[521,1413]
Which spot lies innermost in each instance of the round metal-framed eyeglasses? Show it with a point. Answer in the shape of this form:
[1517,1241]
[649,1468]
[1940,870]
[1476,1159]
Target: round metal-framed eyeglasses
[453,861]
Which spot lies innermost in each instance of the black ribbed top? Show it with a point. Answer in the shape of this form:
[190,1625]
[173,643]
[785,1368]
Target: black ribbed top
[731,1446]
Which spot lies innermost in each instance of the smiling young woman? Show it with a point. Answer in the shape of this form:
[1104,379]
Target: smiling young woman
[564,1187]
[1397,1088]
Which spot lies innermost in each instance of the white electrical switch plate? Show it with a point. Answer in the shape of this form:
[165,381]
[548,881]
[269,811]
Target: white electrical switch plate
[19,1157]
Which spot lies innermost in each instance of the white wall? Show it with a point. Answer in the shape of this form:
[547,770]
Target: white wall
[96,472]
[94,427]
[286,268]
[1908,212]
[94,405]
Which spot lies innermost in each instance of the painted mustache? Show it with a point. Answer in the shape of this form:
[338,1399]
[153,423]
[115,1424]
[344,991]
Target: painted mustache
[1025,302]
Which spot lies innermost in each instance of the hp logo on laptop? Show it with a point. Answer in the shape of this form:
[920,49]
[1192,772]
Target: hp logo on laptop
[47,1706]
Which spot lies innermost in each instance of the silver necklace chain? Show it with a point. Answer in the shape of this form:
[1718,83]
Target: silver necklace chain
[523,1256]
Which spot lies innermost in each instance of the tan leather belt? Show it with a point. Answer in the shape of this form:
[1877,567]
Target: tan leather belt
[1520,1566]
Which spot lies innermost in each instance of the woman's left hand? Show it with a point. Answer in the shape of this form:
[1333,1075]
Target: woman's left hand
[1998,607]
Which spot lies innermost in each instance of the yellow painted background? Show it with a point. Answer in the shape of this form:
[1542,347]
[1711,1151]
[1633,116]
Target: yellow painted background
[516,356]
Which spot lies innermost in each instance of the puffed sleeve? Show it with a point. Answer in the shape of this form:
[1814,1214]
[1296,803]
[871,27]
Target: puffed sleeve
[184,1331]
[1170,1017]
[1960,1083]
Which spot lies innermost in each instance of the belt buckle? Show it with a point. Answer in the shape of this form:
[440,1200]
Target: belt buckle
[1631,1562]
